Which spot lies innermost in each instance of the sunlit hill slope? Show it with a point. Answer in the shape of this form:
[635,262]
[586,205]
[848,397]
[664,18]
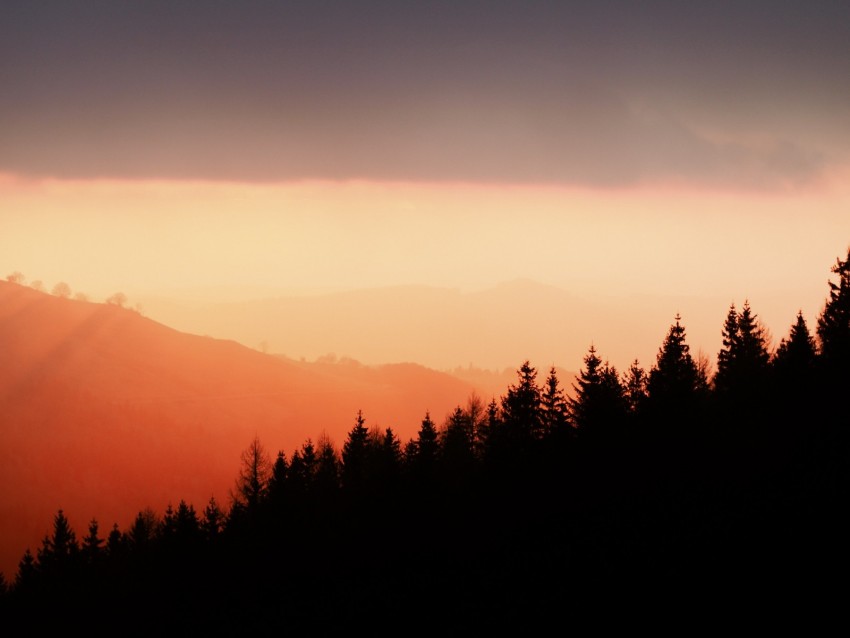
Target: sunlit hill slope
[104,412]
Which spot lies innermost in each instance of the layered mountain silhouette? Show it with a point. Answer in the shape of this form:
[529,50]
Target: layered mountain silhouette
[443,328]
[104,411]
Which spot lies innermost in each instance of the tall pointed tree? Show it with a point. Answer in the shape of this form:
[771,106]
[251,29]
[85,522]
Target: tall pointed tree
[59,549]
[277,481]
[355,454]
[743,361]
[598,406]
[212,521]
[795,356]
[521,407]
[92,544]
[833,327]
[554,406]
[634,384]
[676,387]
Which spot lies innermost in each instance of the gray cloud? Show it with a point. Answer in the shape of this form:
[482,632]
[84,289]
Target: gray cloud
[497,91]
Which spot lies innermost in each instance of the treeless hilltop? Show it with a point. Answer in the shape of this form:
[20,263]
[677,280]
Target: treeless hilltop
[104,412]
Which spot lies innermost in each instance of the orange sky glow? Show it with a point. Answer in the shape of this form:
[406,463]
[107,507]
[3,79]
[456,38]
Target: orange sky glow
[667,245]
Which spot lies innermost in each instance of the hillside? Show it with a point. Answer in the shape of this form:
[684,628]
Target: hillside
[104,412]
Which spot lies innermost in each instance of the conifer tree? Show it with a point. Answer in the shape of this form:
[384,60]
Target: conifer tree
[390,458]
[27,572]
[742,363]
[598,406]
[59,549]
[425,452]
[521,406]
[457,446]
[115,543]
[676,387]
[833,327]
[355,454]
[554,406]
[327,474]
[277,481]
[795,356]
[92,544]
[143,531]
[187,525]
[674,377]
[212,522]
[634,385]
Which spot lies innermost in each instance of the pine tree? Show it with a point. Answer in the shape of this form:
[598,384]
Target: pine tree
[725,363]
[143,531]
[302,470]
[743,362]
[554,406]
[212,522]
[598,406]
[59,550]
[187,526]
[115,544]
[168,525]
[675,388]
[833,327]
[635,383]
[27,572]
[327,474]
[457,451]
[675,376]
[425,452]
[92,544]
[355,454]
[277,481]
[795,356]
[521,407]
[390,458]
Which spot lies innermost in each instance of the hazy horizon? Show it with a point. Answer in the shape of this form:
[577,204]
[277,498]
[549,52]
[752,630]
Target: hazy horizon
[690,157]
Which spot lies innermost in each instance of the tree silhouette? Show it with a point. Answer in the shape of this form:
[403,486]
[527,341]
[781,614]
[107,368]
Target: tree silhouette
[457,447]
[833,327]
[27,573]
[554,406]
[355,455]
[254,473]
[742,363]
[795,356]
[521,406]
[676,387]
[635,386]
[62,290]
[327,474]
[277,481]
[117,299]
[59,549]
[424,453]
[302,469]
[212,522]
[143,532]
[599,406]
[92,544]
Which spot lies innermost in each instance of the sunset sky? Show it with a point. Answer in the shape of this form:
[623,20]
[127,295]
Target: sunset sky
[259,148]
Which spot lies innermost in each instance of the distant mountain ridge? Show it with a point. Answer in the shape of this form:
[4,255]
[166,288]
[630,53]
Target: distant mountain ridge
[445,328]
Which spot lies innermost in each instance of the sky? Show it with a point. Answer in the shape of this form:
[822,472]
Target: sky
[253,148]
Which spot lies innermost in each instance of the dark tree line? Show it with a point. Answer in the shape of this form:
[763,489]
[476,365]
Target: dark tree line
[672,479]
